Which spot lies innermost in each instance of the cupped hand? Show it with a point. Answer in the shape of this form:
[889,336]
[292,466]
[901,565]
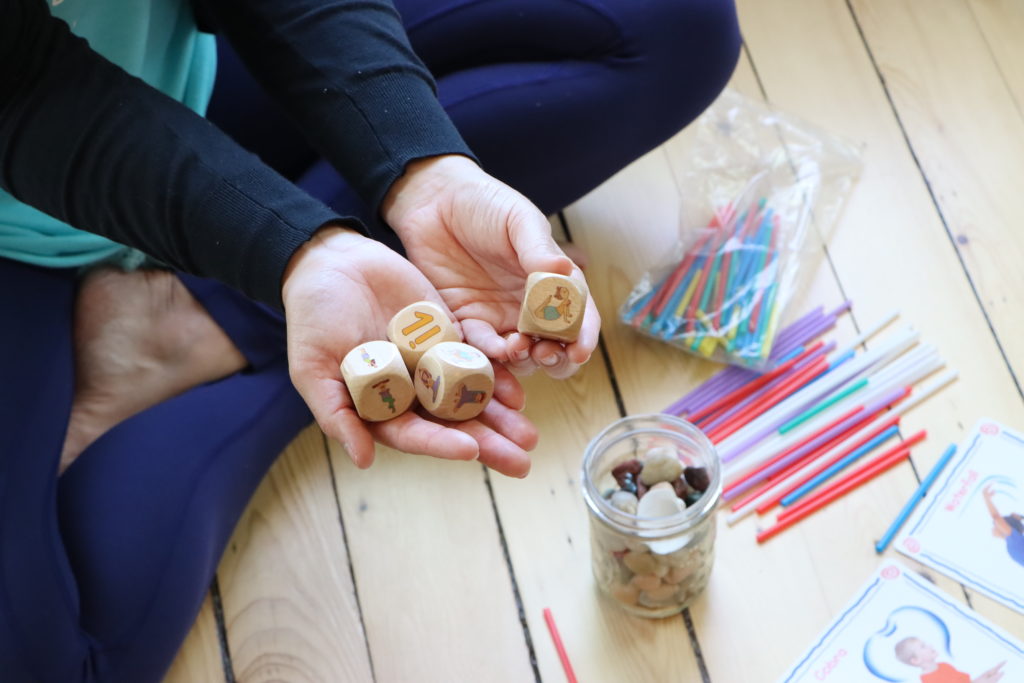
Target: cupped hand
[340,289]
[477,240]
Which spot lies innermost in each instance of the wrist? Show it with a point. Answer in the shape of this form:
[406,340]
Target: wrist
[329,238]
[422,180]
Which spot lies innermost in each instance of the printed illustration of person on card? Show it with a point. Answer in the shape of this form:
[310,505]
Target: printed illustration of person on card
[917,653]
[1009,527]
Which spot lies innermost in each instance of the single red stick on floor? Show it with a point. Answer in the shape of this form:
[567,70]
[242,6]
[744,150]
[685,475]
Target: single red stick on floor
[559,647]
[864,474]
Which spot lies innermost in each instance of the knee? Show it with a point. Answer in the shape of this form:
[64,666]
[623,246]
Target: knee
[683,53]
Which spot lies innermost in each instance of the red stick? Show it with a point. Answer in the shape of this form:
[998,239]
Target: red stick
[771,502]
[809,500]
[799,444]
[691,308]
[784,390]
[751,387]
[658,301]
[858,424]
[557,640]
[837,490]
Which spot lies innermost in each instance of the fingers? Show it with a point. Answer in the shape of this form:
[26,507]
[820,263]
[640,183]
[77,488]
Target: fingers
[518,349]
[511,424]
[530,235]
[507,388]
[332,409]
[481,334]
[579,352]
[412,433]
[553,359]
[492,431]
[499,438]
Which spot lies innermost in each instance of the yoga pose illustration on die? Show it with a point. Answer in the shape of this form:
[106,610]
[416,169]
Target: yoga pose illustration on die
[554,311]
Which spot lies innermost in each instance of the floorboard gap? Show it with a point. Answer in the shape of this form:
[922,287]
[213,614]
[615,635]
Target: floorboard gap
[348,555]
[222,631]
[523,622]
[621,406]
[934,198]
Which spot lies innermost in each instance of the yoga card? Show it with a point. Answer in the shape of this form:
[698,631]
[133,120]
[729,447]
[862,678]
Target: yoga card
[970,526]
[900,628]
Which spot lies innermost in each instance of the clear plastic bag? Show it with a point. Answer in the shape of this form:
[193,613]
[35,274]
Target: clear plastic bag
[760,191]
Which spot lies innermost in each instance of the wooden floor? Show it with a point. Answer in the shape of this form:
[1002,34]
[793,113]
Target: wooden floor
[421,570]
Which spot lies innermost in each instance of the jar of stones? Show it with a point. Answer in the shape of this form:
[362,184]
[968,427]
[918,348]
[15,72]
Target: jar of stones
[651,483]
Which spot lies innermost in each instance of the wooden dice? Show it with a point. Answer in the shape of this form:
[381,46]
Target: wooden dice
[418,327]
[552,307]
[377,380]
[454,381]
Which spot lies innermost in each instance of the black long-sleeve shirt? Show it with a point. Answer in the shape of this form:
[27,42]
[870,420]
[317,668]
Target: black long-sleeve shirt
[100,150]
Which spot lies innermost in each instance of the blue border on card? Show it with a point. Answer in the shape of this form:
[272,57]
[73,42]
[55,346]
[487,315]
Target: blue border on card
[955,571]
[921,585]
[941,597]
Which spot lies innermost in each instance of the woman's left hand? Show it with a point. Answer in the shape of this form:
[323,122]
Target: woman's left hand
[476,239]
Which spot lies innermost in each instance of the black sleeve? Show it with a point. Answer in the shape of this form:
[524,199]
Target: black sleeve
[344,70]
[96,148]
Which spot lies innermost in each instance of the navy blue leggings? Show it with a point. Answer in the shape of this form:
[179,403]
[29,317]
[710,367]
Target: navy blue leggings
[103,570]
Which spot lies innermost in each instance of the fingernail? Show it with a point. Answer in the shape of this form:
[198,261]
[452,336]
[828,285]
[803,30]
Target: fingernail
[549,360]
[521,355]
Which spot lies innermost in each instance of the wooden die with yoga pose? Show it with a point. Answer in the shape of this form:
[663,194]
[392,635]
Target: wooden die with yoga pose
[418,327]
[454,381]
[552,307]
[377,380]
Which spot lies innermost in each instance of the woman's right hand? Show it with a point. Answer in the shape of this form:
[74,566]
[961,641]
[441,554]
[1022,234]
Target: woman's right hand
[341,289]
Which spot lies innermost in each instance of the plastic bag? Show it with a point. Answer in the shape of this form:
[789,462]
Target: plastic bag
[758,186]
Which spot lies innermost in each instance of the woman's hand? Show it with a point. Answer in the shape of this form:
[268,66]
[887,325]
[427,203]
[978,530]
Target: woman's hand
[341,289]
[476,240]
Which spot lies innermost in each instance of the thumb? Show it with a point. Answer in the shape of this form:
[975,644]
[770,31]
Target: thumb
[530,235]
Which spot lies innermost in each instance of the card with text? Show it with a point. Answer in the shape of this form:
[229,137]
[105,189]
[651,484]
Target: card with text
[900,628]
[970,526]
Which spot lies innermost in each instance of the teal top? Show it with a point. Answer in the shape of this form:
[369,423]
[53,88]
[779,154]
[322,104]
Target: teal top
[156,40]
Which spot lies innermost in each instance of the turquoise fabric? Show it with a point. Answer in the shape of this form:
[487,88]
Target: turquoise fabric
[156,40]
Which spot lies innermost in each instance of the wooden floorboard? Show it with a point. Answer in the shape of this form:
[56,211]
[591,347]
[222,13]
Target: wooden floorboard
[891,248]
[286,588]
[200,657]
[443,558]
[432,578]
[545,523]
[1002,24]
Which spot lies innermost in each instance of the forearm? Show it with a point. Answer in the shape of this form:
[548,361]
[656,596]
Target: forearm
[992,509]
[345,71]
[94,147]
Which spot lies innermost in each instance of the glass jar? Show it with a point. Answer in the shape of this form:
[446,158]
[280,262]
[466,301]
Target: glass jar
[653,566]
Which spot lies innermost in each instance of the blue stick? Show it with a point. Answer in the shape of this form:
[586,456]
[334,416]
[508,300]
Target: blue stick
[837,466]
[918,495]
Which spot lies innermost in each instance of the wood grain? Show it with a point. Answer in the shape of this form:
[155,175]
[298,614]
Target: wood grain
[200,657]
[286,588]
[433,582]
[890,249]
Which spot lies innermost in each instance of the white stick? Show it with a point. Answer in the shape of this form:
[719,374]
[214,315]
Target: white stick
[918,365]
[899,409]
[799,401]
